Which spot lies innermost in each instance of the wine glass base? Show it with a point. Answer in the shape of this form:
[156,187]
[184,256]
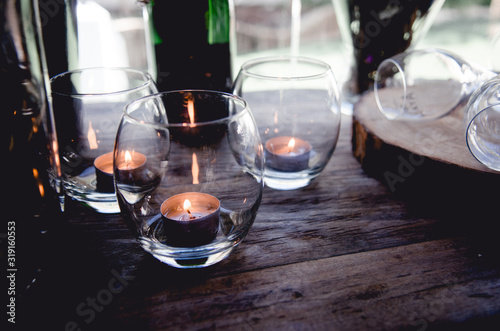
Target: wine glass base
[483,137]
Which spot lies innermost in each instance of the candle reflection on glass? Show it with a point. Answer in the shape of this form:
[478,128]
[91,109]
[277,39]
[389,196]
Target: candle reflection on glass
[130,160]
[127,163]
[190,219]
[104,173]
[287,154]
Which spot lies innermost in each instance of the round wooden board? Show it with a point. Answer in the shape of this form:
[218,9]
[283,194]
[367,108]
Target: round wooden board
[427,163]
[442,140]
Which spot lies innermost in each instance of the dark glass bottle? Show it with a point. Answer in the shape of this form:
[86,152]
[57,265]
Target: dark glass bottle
[29,202]
[191,40]
[192,50]
[381,29]
[53,23]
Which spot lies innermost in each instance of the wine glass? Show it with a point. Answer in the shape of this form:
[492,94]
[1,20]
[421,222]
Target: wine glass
[189,189]
[482,121]
[425,84]
[88,105]
[296,104]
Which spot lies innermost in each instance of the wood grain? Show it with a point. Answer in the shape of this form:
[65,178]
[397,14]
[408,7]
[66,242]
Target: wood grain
[425,163]
[442,139]
[332,293]
[344,253]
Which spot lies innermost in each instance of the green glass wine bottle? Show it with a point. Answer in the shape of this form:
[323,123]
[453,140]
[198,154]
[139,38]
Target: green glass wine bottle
[192,50]
[192,44]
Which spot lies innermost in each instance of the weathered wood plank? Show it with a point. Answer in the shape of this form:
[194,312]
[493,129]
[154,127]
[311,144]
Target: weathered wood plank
[325,219]
[344,253]
[442,139]
[404,286]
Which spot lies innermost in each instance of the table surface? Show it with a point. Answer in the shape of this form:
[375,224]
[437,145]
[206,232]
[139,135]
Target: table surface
[344,253]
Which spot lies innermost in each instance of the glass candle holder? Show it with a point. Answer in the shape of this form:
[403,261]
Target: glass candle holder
[482,123]
[88,105]
[296,104]
[190,188]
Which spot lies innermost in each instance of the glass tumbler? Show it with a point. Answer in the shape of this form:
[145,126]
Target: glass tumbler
[189,188]
[88,105]
[296,104]
[482,122]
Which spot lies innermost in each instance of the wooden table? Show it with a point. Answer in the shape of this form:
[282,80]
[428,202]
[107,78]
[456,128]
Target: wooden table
[345,253]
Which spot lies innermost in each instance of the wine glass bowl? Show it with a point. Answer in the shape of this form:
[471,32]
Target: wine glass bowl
[215,164]
[425,84]
[482,122]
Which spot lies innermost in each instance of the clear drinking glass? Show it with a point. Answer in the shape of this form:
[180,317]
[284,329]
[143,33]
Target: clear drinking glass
[425,84]
[210,155]
[88,105]
[482,121]
[296,104]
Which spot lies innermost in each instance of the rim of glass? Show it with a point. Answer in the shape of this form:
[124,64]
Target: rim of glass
[127,113]
[246,67]
[376,89]
[147,80]
[472,143]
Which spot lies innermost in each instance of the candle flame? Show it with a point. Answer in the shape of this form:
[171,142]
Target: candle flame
[92,138]
[189,102]
[38,182]
[128,158]
[191,111]
[187,205]
[35,125]
[291,145]
[195,169]
[56,160]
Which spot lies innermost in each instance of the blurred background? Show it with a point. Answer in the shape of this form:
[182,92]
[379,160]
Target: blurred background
[112,32]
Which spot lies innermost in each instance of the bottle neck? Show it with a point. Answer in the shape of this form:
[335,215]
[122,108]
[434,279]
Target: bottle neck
[217,20]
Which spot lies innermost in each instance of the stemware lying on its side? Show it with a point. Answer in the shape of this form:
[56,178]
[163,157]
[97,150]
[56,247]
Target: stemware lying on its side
[428,84]
[482,122]
[425,84]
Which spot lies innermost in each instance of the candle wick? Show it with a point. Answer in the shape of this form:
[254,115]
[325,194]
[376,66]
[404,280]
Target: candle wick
[190,215]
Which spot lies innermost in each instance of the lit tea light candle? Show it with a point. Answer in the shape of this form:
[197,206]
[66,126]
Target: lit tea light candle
[127,162]
[104,173]
[190,219]
[287,154]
